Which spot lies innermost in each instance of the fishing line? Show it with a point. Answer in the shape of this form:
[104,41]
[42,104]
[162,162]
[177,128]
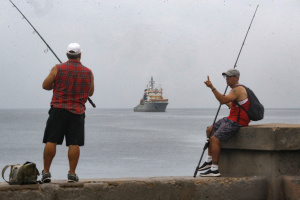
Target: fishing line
[207,140]
[35,31]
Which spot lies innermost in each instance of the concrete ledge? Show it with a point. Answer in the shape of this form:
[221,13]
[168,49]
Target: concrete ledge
[275,137]
[166,188]
[292,187]
[268,150]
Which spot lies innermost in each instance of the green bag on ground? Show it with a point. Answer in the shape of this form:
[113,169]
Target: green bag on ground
[22,174]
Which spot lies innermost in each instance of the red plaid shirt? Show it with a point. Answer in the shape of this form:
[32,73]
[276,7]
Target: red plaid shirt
[71,86]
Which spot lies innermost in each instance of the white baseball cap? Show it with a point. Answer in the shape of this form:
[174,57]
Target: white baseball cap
[74,49]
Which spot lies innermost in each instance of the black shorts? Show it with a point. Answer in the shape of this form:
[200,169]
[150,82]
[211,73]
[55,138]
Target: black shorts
[64,123]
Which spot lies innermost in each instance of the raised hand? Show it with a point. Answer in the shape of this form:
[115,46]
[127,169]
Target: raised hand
[208,83]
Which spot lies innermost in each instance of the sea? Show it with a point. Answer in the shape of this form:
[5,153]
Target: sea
[119,142]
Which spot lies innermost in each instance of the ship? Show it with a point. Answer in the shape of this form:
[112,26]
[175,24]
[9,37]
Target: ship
[152,100]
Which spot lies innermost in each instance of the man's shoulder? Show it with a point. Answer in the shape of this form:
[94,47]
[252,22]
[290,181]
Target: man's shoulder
[87,69]
[241,91]
[240,87]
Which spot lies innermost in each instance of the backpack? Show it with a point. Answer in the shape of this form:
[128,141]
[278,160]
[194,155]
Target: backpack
[22,174]
[256,110]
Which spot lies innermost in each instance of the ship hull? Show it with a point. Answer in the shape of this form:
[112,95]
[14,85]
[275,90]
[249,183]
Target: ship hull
[151,107]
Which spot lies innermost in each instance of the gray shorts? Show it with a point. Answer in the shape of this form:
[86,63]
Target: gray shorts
[225,129]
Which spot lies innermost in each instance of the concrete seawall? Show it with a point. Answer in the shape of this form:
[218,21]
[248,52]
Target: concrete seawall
[160,188]
[260,162]
[269,150]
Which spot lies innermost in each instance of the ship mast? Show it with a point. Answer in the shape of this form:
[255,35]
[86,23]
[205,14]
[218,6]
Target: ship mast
[151,83]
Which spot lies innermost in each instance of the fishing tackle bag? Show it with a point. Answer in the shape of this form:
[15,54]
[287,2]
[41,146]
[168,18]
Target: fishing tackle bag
[22,174]
[256,110]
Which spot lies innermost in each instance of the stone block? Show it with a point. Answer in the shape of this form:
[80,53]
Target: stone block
[276,137]
[270,150]
[291,187]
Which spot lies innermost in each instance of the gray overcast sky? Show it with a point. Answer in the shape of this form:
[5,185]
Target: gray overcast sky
[178,42]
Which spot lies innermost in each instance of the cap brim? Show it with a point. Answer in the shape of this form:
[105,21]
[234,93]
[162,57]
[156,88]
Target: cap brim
[73,53]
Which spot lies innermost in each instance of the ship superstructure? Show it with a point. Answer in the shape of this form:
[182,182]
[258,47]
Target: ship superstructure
[152,100]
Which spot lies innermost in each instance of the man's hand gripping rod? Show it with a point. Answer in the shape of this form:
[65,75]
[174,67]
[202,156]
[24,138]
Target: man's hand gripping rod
[210,132]
[91,102]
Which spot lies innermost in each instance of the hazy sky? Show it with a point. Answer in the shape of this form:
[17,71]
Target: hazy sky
[178,42]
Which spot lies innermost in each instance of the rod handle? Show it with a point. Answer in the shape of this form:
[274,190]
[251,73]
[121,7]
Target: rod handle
[91,102]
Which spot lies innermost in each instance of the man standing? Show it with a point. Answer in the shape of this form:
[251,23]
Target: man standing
[225,128]
[72,84]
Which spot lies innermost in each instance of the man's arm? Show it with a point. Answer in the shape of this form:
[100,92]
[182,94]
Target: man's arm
[49,81]
[92,86]
[233,94]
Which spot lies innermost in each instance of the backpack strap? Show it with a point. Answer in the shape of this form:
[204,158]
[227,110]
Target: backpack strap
[238,119]
[235,101]
[3,171]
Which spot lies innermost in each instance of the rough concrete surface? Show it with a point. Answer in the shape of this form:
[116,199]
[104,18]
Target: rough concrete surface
[160,188]
[269,150]
[275,137]
[292,187]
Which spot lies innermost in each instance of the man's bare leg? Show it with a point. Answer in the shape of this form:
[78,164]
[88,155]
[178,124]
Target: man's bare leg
[208,161]
[49,153]
[73,155]
[207,135]
[215,149]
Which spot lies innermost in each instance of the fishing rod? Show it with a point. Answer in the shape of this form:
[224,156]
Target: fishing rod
[91,102]
[207,139]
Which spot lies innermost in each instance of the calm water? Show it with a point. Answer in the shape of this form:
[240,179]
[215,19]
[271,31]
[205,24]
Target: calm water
[120,142]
